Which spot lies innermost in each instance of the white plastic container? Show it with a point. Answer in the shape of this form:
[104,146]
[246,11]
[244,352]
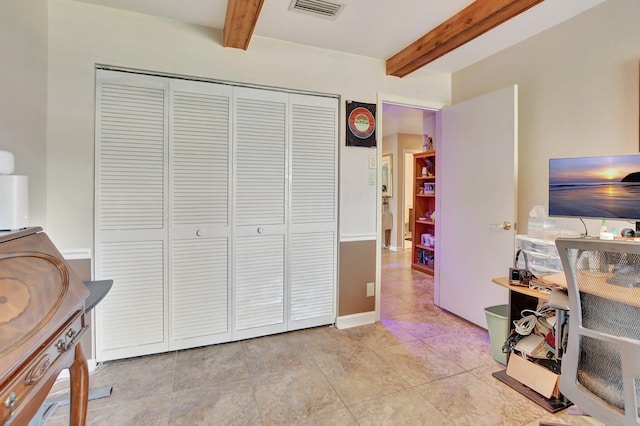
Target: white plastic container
[542,254]
[14,202]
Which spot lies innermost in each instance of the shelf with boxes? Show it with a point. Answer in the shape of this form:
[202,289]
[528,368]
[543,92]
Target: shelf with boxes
[542,255]
[424,204]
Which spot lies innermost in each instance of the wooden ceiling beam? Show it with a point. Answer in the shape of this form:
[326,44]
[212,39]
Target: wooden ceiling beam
[473,21]
[240,22]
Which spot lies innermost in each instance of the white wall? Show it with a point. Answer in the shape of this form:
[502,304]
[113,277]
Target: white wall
[390,147]
[23,95]
[429,124]
[82,35]
[578,94]
[409,178]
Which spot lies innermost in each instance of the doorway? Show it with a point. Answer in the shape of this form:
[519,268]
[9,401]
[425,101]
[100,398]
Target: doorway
[404,130]
[403,124]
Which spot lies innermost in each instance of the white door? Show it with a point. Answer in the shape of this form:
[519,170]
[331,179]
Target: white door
[313,211]
[131,206]
[477,156]
[200,193]
[260,191]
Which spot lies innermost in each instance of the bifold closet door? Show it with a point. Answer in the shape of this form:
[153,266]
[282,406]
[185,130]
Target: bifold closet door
[131,207]
[313,212]
[260,188]
[216,212]
[200,193]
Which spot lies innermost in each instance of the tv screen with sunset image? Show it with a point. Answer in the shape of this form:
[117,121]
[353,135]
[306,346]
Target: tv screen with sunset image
[595,187]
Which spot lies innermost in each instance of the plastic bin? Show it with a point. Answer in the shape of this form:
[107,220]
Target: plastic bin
[498,326]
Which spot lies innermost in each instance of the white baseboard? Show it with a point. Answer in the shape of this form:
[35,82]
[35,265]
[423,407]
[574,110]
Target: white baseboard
[356,320]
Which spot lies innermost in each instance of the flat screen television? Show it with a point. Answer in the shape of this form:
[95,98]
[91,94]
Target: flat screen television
[595,187]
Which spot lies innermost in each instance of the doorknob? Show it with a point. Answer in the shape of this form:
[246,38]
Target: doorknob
[505,225]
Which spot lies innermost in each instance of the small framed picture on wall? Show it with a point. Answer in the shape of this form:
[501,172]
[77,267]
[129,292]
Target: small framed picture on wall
[361,124]
[386,175]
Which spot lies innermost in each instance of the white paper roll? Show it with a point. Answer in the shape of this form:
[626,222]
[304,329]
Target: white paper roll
[7,163]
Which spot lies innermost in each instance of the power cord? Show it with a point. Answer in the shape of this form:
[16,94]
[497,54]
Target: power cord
[527,323]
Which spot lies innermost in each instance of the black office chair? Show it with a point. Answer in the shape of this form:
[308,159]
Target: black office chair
[601,366]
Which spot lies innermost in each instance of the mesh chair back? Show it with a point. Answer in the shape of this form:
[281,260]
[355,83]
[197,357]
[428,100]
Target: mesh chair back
[601,366]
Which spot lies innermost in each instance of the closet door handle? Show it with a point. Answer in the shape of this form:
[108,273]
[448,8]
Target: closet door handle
[199,233]
[259,229]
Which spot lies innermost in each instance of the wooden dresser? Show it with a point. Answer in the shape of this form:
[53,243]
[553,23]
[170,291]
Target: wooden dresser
[41,322]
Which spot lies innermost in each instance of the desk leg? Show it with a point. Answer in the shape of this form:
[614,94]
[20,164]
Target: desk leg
[79,377]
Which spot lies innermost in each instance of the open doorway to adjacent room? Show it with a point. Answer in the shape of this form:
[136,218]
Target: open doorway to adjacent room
[404,129]
[402,291]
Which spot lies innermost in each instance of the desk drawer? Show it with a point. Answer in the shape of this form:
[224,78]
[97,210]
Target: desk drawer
[44,362]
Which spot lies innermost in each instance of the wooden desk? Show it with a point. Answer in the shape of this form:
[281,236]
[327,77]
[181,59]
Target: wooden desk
[504,282]
[596,283]
[42,320]
[521,298]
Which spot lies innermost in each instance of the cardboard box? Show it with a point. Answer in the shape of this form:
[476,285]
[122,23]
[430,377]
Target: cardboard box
[538,378]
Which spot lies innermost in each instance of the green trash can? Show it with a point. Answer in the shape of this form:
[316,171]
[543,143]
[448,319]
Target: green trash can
[497,324]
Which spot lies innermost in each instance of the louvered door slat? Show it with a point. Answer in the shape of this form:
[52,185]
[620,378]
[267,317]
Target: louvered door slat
[259,282]
[313,276]
[132,314]
[200,136]
[131,143]
[260,158]
[313,146]
[199,288]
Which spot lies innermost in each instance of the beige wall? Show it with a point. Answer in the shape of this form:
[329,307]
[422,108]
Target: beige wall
[23,95]
[578,94]
[357,268]
[395,145]
[82,35]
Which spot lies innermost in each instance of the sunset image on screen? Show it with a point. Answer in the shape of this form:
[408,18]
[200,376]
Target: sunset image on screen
[601,187]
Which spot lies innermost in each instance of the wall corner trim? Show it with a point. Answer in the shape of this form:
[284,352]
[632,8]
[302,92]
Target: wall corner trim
[355,320]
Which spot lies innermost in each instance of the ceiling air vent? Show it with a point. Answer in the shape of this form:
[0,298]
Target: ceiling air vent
[322,8]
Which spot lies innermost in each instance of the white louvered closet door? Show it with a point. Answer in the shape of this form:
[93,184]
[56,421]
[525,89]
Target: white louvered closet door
[200,193]
[313,217]
[130,228]
[260,189]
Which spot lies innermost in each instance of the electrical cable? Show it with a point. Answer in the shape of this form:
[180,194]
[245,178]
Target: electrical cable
[527,323]
[586,232]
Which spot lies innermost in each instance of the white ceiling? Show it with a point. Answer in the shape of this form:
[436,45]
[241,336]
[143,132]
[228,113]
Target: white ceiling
[373,28]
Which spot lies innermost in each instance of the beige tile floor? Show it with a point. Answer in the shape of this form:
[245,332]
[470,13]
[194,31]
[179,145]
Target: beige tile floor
[418,366]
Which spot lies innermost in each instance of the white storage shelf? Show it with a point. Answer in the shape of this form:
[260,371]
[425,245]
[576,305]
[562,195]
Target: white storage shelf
[542,255]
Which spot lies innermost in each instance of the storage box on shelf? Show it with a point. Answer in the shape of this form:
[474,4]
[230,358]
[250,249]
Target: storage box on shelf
[542,255]
[424,205]
[538,228]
